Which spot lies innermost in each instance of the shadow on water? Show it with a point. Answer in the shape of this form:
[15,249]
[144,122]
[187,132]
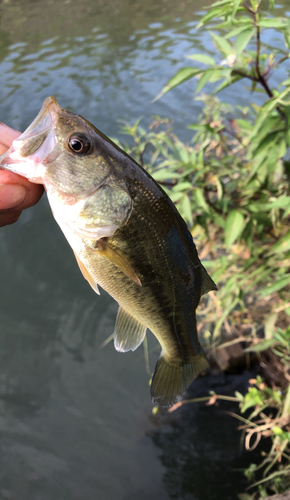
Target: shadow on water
[200,446]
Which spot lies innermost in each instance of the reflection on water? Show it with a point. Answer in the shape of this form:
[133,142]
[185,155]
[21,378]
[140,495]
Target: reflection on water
[73,417]
[200,446]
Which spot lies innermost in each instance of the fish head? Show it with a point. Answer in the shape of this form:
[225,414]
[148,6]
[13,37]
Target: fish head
[60,150]
[74,162]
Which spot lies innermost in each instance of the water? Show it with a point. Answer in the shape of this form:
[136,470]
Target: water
[74,417]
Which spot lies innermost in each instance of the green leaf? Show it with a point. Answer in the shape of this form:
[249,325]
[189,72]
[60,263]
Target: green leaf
[283,245]
[207,75]
[269,324]
[243,39]
[181,186]
[244,124]
[214,12]
[200,200]
[282,202]
[269,125]
[267,141]
[221,2]
[277,22]
[235,8]
[278,285]
[226,83]
[233,226]
[222,44]
[175,197]
[238,30]
[277,431]
[261,346]
[186,209]
[181,76]
[165,174]
[203,58]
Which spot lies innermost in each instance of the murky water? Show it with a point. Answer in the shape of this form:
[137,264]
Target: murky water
[74,417]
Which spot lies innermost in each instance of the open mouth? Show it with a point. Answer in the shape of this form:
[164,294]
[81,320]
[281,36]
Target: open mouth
[36,142]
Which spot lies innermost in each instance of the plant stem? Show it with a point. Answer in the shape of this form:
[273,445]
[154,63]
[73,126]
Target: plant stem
[249,8]
[286,408]
[207,198]
[260,78]
[276,64]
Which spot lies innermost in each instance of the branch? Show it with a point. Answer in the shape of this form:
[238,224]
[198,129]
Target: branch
[142,153]
[246,5]
[243,74]
[260,78]
[206,195]
[275,65]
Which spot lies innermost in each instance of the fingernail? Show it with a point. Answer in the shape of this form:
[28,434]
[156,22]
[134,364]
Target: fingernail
[11,195]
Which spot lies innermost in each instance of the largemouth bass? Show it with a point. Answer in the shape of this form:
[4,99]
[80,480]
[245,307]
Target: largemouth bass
[127,237]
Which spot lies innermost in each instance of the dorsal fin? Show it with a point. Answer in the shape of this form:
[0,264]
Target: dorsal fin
[207,283]
[129,333]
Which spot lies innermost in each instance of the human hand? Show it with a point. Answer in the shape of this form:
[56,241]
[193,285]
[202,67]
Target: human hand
[16,192]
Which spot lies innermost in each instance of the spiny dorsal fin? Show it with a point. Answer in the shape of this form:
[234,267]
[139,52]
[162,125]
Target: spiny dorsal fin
[129,333]
[207,283]
[86,274]
[112,255]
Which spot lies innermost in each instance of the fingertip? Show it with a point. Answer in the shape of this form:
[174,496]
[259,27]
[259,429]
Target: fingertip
[12,195]
[9,217]
[7,135]
[34,193]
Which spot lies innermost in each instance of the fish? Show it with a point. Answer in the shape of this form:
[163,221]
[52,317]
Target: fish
[127,237]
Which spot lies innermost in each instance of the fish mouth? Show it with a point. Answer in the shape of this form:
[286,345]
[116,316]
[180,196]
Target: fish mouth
[24,156]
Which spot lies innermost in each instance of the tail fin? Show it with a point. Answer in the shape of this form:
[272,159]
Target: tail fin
[172,377]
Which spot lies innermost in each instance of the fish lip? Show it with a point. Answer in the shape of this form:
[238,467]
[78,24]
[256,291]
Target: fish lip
[42,122]
[13,159]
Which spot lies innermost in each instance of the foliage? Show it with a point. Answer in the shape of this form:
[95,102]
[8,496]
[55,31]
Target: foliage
[231,185]
[274,424]
[238,212]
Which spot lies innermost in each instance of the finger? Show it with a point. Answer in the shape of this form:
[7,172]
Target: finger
[7,135]
[16,197]
[9,217]
[3,148]
[17,192]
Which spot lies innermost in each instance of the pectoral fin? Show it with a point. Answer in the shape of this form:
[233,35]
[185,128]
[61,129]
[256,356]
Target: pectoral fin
[129,333]
[112,255]
[86,274]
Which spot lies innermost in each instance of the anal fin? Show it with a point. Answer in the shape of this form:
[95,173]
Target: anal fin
[129,333]
[86,274]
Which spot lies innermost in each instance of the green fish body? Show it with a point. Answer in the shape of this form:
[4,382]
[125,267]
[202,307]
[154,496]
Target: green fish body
[127,237]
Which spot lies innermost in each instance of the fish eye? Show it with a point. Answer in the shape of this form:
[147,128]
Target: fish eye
[79,143]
